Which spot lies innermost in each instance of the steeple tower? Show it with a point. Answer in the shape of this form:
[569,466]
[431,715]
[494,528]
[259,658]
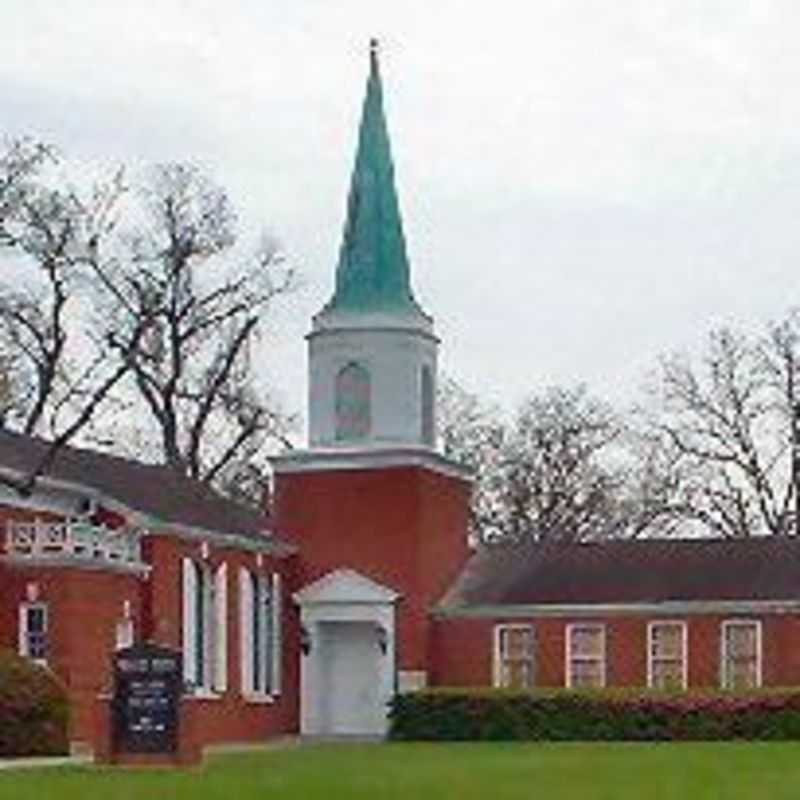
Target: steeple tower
[373,273]
[372,351]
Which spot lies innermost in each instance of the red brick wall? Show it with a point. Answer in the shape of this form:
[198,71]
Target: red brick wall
[227,718]
[462,649]
[83,608]
[404,527]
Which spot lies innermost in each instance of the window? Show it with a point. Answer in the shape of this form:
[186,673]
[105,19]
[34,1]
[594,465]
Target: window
[666,655]
[513,656]
[205,638]
[353,414]
[586,656]
[260,607]
[33,631]
[741,654]
[427,406]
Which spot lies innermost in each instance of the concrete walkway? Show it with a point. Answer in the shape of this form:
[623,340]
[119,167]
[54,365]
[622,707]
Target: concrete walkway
[41,762]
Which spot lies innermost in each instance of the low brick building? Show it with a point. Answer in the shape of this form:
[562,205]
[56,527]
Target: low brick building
[360,582]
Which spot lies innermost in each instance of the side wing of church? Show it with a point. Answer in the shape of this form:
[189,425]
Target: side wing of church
[361,583]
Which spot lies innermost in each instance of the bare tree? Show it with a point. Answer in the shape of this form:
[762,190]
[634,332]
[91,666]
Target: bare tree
[551,473]
[473,433]
[724,435]
[193,371]
[54,378]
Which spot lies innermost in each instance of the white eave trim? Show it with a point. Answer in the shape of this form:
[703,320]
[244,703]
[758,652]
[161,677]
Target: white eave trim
[377,457]
[65,562]
[676,607]
[193,533]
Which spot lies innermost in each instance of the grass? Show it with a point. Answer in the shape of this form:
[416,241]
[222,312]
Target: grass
[498,771]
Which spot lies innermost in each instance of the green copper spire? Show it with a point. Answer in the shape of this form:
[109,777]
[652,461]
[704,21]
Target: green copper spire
[372,273]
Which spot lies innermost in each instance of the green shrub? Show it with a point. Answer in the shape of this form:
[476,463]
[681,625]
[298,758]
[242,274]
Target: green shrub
[561,715]
[34,711]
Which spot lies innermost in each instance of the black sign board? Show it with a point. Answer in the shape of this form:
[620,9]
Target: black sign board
[148,680]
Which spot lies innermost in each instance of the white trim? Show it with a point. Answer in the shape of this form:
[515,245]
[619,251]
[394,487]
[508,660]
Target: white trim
[124,633]
[673,607]
[220,617]
[141,570]
[245,631]
[276,631]
[684,649]
[258,698]
[723,661]
[499,660]
[189,619]
[568,658]
[367,457]
[150,524]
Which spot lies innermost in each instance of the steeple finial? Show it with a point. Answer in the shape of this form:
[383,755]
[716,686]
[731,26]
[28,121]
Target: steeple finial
[373,272]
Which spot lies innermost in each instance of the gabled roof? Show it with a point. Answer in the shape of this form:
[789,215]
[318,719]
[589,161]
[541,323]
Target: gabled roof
[345,586]
[630,571]
[151,490]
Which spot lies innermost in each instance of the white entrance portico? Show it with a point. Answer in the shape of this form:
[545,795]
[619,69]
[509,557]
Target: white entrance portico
[347,670]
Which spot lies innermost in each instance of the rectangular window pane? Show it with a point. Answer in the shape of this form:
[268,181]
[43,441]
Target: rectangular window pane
[517,675]
[515,657]
[587,642]
[34,620]
[667,675]
[741,655]
[587,674]
[586,657]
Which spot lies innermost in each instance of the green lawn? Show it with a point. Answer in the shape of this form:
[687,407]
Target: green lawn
[728,771]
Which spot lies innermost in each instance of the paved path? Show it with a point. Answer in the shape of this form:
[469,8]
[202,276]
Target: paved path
[37,763]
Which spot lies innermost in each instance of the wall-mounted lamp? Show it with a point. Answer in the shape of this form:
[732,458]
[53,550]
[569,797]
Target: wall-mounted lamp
[383,639]
[32,592]
[305,640]
[204,551]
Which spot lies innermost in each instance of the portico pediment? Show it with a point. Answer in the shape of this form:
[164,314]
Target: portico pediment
[345,586]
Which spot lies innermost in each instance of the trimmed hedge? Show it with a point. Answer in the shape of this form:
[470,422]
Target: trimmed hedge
[623,715]
[34,711]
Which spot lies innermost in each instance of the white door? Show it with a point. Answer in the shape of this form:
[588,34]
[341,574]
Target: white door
[350,679]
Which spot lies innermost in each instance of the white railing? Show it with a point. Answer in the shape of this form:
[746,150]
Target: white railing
[74,539]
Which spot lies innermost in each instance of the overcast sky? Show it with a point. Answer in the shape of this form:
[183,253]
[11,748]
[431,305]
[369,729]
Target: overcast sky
[584,184]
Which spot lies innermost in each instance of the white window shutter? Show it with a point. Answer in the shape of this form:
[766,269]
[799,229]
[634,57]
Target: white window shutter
[277,633]
[221,628]
[22,630]
[246,629]
[189,621]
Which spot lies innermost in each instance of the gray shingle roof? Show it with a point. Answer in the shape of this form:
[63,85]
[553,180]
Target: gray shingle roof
[630,571]
[150,489]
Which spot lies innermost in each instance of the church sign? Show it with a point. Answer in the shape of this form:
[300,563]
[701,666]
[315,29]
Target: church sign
[147,687]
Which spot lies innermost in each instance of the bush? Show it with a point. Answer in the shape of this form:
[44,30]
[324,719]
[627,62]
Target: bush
[34,711]
[562,715]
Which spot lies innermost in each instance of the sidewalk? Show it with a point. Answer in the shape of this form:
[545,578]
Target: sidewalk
[41,762]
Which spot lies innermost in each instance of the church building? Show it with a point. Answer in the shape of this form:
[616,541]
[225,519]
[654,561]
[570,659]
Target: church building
[360,582]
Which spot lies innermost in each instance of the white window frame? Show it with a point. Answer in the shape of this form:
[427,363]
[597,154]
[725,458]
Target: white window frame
[267,597]
[499,659]
[199,576]
[724,677]
[568,660]
[651,658]
[23,639]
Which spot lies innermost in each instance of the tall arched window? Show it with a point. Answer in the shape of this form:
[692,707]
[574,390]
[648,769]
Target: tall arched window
[427,400]
[353,413]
